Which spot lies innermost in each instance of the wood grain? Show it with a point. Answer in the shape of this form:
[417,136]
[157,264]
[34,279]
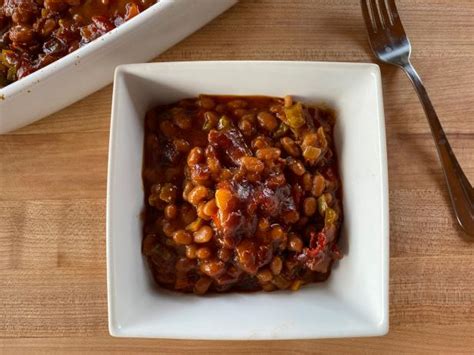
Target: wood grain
[53,185]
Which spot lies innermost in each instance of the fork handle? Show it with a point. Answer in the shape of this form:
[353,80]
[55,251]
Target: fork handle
[460,190]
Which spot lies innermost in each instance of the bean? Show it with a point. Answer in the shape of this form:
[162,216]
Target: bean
[155,189]
[318,185]
[276,180]
[203,253]
[310,206]
[188,214]
[288,100]
[206,102]
[194,225]
[195,156]
[296,285]
[213,164]
[200,212]
[237,104]
[171,211]
[240,112]
[307,182]
[276,265]
[290,146]
[181,145]
[263,224]
[250,117]
[48,27]
[264,275]
[197,194]
[213,268]
[182,237]
[260,142]
[267,121]
[290,217]
[252,164]
[223,198]
[200,174]
[168,129]
[202,285]
[281,282]
[277,233]
[148,244]
[297,167]
[185,265]
[226,174]
[268,153]
[269,287]
[21,34]
[167,228]
[153,200]
[168,193]
[210,208]
[190,251]
[246,127]
[188,186]
[181,281]
[295,243]
[182,120]
[203,235]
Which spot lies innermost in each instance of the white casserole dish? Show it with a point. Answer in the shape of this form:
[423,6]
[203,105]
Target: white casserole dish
[353,302]
[91,67]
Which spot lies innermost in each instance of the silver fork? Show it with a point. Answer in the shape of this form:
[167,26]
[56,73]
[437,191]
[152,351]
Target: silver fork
[391,45]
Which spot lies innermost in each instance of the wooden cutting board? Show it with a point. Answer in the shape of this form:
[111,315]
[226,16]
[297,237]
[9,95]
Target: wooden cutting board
[53,186]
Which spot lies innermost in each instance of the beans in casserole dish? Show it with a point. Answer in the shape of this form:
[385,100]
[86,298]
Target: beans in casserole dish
[241,194]
[35,33]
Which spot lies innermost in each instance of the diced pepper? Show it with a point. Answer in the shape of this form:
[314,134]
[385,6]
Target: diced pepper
[281,130]
[224,122]
[11,74]
[208,125]
[295,116]
[323,143]
[322,205]
[330,216]
[311,154]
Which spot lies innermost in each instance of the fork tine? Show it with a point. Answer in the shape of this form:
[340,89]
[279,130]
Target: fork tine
[369,23]
[392,9]
[384,14]
[375,14]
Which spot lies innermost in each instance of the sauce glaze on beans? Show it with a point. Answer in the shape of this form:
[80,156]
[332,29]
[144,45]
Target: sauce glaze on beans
[241,194]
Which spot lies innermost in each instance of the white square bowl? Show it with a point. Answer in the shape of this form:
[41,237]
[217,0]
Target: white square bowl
[353,302]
